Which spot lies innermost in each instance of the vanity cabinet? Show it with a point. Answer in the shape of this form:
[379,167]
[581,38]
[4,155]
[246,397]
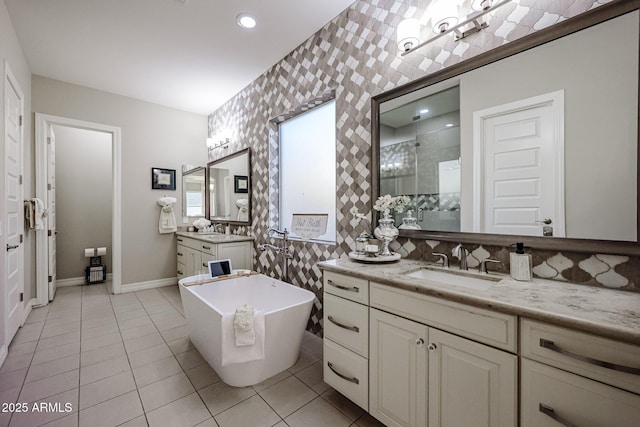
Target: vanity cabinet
[421,375]
[407,370]
[575,378]
[193,255]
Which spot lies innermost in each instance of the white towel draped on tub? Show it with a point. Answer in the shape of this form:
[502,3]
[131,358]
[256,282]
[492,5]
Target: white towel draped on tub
[167,217]
[241,341]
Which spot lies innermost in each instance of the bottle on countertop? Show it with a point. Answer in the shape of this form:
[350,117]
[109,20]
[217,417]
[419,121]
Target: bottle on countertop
[521,264]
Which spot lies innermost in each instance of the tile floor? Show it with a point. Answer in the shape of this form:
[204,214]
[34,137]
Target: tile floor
[110,360]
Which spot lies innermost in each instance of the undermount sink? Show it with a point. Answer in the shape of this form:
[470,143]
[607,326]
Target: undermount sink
[467,280]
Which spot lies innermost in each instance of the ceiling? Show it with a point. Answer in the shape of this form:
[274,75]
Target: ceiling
[185,54]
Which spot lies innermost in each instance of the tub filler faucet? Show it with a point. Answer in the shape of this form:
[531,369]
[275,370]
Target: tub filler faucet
[285,250]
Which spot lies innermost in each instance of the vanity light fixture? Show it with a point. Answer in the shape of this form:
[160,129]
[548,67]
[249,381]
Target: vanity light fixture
[445,20]
[219,139]
[246,20]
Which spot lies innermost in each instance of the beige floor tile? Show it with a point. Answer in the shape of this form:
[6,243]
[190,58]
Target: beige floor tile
[288,396]
[15,363]
[38,314]
[47,343]
[148,355]
[202,376]
[101,354]
[41,356]
[137,344]
[170,322]
[185,412]
[270,382]
[13,379]
[314,346]
[133,313]
[52,331]
[342,404]
[305,359]
[28,332]
[220,397]
[367,420]
[138,331]
[54,367]
[101,341]
[68,421]
[38,390]
[181,345]
[105,369]
[165,391]
[136,322]
[61,321]
[93,322]
[208,423]
[252,412]
[317,413]
[99,331]
[106,389]
[23,349]
[313,377]
[175,333]
[156,371]
[10,395]
[112,412]
[141,421]
[190,359]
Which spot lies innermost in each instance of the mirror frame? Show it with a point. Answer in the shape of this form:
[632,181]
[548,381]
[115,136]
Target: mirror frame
[585,20]
[246,151]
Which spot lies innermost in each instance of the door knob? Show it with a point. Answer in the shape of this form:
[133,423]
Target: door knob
[432,347]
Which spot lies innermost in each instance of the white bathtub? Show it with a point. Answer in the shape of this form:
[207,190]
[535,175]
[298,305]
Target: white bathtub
[287,309]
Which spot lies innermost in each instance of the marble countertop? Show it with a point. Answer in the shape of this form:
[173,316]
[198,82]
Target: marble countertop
[607,312]
[215,238]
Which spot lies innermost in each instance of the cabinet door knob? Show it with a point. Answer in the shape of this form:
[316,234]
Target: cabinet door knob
[432,347]
[419,341]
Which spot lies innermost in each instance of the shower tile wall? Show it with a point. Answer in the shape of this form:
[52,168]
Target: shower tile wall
[355,55]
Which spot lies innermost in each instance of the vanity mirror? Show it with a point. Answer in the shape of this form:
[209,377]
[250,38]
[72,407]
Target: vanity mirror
[536,139]
[229,193]
[193,193]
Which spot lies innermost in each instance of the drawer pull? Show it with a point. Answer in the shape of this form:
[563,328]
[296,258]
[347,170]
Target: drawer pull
[344,288]
[548,410]
[205,265]
[548,344]
[180,254]
[206,247]
[343,326]
[344,377]
[179,240]
[180,273]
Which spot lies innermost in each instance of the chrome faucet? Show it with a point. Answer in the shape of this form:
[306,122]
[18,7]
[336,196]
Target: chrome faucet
[217,228]
[443,257]
[483,264]
[285,250]
[461,253]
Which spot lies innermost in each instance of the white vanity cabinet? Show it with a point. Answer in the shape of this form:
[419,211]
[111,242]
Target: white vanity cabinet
[574,378]
[193,255]
[421,375]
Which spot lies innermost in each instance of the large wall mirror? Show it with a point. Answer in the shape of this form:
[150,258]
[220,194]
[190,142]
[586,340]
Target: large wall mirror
[537,139]
[229,192]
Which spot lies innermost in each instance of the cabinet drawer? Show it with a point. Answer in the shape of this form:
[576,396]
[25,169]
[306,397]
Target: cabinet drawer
[207,248]
[347,323]
[489,327]
[347,372]
[181,252]
[347,287]
[190,243]
[576,400]
[582,353]
[181,270]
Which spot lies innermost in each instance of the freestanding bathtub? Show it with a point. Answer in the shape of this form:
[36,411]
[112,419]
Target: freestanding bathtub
[286,307]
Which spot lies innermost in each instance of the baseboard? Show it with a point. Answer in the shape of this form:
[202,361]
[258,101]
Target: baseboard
[3,354]
[75,281]
[151,284]
[27,310]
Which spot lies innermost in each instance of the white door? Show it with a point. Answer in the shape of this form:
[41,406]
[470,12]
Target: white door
[470,384]
[397,370]
[51,208]
[519,167]
[14,271]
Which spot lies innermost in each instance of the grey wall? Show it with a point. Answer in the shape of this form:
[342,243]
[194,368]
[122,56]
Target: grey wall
[83,198]
[11,53]
[152,136]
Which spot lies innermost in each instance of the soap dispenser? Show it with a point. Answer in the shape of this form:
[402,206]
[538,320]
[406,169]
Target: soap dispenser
[521,263]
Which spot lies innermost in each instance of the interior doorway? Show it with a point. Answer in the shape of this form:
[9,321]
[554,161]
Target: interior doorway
[47,127]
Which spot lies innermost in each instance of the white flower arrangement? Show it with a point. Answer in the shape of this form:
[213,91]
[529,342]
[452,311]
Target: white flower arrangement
[201,223]
[387,203]
[358,216]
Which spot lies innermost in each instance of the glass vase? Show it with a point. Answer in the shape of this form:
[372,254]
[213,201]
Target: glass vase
[386,232]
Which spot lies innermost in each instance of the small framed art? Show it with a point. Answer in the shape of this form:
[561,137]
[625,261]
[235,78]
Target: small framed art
[163,179]
[240,184]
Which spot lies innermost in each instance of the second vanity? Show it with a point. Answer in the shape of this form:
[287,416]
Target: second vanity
[195,250]
[415,351]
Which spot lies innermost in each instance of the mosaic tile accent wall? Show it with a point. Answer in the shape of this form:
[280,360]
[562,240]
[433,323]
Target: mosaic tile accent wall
[355,55]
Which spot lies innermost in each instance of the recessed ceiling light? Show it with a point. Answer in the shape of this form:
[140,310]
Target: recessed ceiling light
[245,20]
[449,125]
[424,111]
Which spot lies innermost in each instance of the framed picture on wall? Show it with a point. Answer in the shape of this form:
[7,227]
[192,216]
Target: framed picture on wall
[240,184]
[163,179]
